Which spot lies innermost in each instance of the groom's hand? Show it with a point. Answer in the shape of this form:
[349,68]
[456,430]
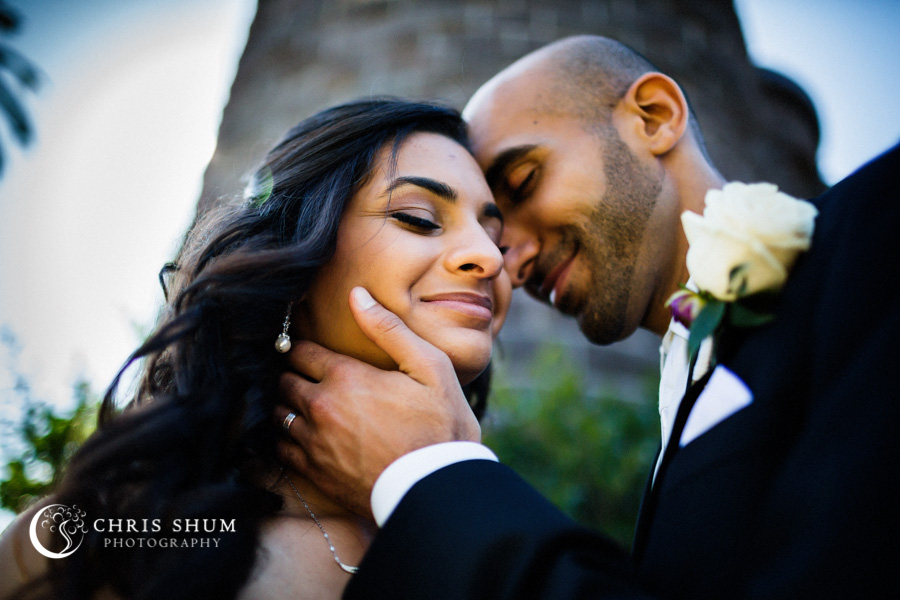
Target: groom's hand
[353,419]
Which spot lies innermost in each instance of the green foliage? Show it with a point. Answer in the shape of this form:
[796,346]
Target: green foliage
[590,454]
[705,324]
[49,438]
[38,442]
[16,75]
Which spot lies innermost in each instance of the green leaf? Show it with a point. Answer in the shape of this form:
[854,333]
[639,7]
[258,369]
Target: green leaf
[263,185]
[705,324]
[742,316]
[10,20]
[19,67]
[15,114]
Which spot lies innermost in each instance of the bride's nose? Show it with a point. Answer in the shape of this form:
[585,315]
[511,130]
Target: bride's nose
[474,252]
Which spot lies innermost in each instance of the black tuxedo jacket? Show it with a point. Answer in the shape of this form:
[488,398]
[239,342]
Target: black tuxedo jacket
[795,496]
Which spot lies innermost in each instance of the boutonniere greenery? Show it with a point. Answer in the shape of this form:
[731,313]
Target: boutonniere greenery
[740,251]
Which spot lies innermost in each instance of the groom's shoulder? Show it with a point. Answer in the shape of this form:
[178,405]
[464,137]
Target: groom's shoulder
[862,210]
[876,183]
[854,241]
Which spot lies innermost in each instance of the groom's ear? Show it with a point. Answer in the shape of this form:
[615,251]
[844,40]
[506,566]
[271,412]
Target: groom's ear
[656,111]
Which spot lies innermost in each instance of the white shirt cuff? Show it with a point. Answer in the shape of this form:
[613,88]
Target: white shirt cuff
[405,472]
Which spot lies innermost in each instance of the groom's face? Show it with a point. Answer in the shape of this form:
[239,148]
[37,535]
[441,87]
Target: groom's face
[576,201]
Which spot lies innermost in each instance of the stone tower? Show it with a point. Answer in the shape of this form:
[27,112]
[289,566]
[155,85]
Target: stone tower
[303,55]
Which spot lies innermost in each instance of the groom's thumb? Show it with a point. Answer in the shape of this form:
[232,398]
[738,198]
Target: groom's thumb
[391,334]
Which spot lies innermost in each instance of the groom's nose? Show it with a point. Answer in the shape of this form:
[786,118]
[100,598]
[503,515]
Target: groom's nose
[522,251]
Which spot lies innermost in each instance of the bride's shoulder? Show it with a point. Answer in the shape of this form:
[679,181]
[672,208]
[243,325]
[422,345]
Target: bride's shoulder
[290,563]
[20,563]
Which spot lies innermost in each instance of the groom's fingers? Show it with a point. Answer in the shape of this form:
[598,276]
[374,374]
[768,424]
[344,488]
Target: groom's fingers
[289,425]
[312,360]
[355,498]
[296,392]
[292,454]
[413,355]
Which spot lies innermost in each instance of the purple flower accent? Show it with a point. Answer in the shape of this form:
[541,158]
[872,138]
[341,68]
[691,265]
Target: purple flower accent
[685,305]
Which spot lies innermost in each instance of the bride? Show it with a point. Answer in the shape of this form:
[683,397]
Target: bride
[380,194]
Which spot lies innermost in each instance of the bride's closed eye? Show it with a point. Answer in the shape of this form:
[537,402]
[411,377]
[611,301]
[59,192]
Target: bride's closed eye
[415,222]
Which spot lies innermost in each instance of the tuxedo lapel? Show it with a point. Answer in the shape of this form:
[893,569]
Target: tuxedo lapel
[654,485]
[644,511]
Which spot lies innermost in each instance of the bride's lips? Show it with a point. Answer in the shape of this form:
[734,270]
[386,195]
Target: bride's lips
[552,286]
[474,305]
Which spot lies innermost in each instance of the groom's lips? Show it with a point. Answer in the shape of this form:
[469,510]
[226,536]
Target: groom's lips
[551,287]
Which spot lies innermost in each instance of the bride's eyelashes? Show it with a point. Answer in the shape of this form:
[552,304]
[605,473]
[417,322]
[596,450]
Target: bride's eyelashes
[415,222]
[427,226]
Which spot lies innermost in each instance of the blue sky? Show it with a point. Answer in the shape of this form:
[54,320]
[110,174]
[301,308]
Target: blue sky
[135,89]
[844,54]
[126,122]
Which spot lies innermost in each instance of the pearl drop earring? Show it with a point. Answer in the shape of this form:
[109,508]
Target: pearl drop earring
[283,341]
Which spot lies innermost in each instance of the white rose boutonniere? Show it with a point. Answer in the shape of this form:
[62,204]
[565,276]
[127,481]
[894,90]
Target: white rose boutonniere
[742,246]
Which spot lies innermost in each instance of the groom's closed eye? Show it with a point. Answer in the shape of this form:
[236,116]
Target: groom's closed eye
[521,183]
[499,172]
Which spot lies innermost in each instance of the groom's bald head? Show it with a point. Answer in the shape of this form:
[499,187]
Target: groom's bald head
[583,77]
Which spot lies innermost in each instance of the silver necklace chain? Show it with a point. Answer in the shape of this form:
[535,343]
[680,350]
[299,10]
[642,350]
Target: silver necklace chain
[346,568]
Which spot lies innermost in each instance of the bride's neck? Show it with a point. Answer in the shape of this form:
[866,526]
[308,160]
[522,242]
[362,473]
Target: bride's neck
[295,488]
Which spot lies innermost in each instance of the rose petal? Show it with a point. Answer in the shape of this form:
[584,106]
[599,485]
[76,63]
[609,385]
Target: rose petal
[714,253]
[747,238]
[762,212]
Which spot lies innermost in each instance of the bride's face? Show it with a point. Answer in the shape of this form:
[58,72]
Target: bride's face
[423,241]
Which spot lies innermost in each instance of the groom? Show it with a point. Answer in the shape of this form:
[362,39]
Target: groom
[789,488]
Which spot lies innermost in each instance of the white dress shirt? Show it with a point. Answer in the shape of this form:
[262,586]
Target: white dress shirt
[674,367]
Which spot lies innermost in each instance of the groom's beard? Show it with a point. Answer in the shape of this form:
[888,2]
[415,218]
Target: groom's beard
[612,241]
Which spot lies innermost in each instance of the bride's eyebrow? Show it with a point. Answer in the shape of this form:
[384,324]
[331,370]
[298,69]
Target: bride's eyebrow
[438,188]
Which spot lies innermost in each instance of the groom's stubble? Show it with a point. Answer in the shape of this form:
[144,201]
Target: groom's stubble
[613,238]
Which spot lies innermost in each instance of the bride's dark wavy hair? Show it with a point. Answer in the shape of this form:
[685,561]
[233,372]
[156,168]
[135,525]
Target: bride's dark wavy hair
[197,432]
